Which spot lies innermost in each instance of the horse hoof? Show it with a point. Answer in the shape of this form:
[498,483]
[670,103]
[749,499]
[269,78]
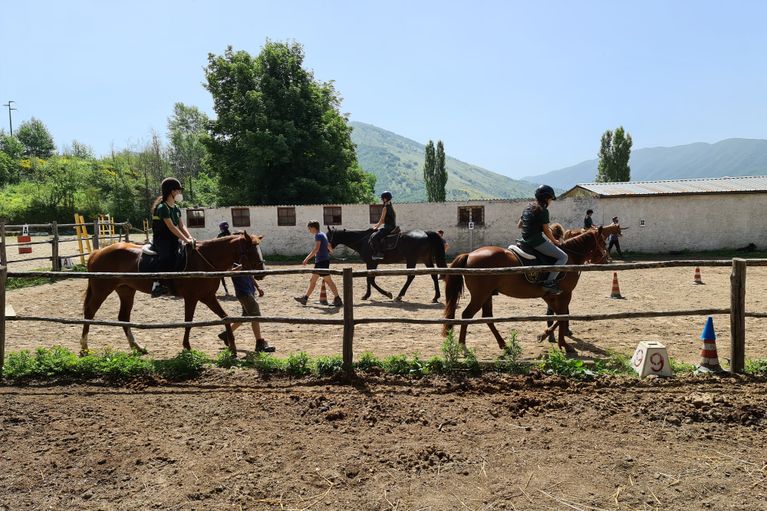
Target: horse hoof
[398,299]
[551,338]
[569,333]
[366,297]
[435,300]
[389,295]
[542,337]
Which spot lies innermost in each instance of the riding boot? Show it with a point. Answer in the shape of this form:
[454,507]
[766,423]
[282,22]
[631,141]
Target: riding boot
[551,287]
[159,290]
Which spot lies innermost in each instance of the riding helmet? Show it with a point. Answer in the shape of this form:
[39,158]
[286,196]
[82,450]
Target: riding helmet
[544,191]
[223,225]
[169,184]
[386,195]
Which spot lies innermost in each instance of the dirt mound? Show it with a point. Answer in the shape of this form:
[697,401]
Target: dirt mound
[231,440]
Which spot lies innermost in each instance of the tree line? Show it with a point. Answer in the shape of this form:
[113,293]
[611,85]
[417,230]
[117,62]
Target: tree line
[278,137]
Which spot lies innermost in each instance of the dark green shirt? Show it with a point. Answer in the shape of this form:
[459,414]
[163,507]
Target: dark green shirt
[164,211]
[533,219]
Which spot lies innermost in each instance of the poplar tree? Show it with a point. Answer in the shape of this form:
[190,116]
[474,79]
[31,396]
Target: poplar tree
[440,173]
[429,168]
[614,155]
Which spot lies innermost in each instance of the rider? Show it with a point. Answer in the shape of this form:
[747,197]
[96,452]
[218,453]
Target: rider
[167,228]
[223,230]
[389,221]
[536,233]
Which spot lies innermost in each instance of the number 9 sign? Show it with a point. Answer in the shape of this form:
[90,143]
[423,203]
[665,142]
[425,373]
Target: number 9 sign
[651,357]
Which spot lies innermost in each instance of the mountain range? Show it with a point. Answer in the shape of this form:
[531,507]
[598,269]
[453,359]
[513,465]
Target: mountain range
[397,163]
[729,157]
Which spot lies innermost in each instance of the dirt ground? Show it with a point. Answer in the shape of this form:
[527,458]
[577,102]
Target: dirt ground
[231,440]
[656,289]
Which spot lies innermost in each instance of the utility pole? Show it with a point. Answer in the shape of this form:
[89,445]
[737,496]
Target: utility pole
[9,104]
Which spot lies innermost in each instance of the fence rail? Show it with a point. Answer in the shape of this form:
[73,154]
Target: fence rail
[736,311]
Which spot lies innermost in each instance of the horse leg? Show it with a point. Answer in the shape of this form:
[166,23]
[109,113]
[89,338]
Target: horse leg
[549,312]
[409,266]
[190,304]
[474,305]
[372,282]
[367,291]
[487,312]
[564,329]
[565,299]
[213,304]
[127,295]
[435,278]
[95,294]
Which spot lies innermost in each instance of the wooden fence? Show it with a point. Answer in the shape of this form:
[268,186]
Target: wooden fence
[53,230]
[736,311]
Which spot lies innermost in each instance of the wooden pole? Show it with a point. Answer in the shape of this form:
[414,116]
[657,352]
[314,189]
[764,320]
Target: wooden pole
[3,255]
[738,316]
[3,275]
[126,228]
[348,353]
[96,234]
[55,262]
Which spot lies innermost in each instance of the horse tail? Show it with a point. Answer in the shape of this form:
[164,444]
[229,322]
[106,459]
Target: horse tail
[438,249]
[453,289]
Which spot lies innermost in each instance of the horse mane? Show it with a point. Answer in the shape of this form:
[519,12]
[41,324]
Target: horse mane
[580,243]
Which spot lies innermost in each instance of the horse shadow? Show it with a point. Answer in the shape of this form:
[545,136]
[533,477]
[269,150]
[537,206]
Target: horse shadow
[407,306]
[583,345]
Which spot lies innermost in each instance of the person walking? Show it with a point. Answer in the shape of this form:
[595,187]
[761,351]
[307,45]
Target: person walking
[321,253]
[614,241]
[245,288]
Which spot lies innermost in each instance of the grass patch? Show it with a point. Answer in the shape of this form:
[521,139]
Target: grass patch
[368,362]
[756,367]
[682,367]
[328,366]
[59,362]
[298,365]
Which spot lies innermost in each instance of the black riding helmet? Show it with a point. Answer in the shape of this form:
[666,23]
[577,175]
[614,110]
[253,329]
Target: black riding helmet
[386,195]
[543,192]
[169,184]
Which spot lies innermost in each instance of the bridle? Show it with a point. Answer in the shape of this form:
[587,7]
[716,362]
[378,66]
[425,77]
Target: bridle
[244,253]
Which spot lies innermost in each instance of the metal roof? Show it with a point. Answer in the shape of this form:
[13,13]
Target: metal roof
[742,184]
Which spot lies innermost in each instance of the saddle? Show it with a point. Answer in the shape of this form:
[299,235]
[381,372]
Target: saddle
[528,256]
[149,260]
[390,241]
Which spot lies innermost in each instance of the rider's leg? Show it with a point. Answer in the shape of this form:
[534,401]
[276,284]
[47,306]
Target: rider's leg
[549,249]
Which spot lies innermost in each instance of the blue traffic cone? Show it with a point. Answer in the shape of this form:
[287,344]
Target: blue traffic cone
[709,360]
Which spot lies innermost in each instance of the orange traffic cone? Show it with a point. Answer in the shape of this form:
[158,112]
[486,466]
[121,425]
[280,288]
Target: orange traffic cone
[709,360]
[323,294]
[616,293]
[697,280]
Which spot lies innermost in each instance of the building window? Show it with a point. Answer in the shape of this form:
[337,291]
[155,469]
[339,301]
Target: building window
[332,215]
[286,217]
[195,218]
[375,213]
[641,223]
[477,214]
[241,217]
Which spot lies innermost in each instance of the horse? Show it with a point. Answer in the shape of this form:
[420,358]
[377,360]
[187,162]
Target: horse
[214,255]
[589,246]
[413,247]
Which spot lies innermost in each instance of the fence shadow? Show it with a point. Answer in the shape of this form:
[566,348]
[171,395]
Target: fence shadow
[408,306]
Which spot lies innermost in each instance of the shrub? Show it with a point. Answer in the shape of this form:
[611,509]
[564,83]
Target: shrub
[226,359]
[368,361]
[396,364]
[452,352]
[19,365]
[264,363]
[509,361]
[557,362]
[328,366]
[184,365]
[757,367]
[435,365]
[298,364]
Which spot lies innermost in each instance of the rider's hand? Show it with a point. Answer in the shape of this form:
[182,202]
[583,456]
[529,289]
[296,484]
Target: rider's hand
[260,292]
[306,261]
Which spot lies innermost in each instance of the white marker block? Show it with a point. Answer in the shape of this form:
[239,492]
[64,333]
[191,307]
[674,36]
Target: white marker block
[651,357]
[9,312]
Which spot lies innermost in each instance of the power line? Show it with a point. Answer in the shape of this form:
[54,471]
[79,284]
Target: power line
[9,104]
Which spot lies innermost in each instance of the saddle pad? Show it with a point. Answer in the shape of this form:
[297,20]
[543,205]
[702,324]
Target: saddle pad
[521,253]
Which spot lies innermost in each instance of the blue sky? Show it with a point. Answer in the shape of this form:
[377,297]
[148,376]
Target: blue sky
[520,88]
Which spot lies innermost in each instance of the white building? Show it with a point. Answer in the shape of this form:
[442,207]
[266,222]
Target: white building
[661,216]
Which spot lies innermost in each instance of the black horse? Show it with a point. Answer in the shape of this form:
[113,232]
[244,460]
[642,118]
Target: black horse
[413,247]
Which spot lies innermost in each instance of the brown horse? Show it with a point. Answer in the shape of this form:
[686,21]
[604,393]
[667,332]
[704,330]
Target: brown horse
[589,246]
[219,254]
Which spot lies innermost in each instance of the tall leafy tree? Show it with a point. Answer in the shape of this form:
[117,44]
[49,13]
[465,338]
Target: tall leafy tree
[11,146]
[429,168]
[279,136]
[187,130]
[36,138]
[614,154]
[440,173]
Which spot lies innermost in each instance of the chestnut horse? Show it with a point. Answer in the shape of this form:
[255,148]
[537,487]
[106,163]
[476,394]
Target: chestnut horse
[219,254]
[589,246]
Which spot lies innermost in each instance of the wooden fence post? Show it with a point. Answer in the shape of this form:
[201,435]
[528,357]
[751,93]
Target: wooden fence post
[348,364]
[738,316]
[3,254]
[3,276]
[96,234]
[126,228]
[55,262]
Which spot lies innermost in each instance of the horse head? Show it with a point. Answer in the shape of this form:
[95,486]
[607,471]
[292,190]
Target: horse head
[249,252]
[599,253]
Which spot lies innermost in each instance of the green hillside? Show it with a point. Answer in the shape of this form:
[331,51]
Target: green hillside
[397,162]
[730,157]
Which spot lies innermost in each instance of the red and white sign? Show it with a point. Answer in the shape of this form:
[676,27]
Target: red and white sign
[24,238]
